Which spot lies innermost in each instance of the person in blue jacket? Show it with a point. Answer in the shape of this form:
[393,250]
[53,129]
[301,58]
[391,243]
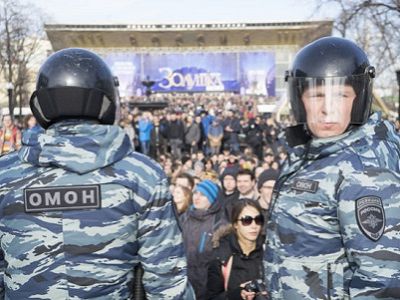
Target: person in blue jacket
[79,209]
[333,229]
[145,128]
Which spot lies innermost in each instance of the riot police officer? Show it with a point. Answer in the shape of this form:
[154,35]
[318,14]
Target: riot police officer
[78,208]
[333,226]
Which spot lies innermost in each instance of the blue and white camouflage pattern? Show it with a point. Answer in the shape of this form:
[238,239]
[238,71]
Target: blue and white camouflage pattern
[88,253]
[315,247]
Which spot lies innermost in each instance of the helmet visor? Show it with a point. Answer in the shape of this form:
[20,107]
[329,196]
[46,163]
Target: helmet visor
[328,102]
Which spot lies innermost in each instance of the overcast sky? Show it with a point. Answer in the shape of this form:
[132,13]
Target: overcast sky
[177,11]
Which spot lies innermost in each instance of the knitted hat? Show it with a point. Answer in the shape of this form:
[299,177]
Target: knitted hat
[208,189]
[270,174]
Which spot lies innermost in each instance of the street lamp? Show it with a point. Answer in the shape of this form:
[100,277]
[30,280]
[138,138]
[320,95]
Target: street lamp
[398,84]
[10,88]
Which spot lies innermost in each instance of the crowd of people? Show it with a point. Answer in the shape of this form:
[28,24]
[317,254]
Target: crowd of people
[221,159]
[200,128]
[314,216]
[11,132]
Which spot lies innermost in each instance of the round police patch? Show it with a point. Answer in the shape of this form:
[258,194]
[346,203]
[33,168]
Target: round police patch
[371,216]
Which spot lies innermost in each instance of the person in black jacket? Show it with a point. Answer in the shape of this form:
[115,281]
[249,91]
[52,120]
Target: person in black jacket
[231,126]
[254,137]
[237,254]
[175,135]
[158,141]
[229,193]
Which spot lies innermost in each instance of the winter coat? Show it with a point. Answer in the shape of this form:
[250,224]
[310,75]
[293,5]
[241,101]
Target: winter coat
[227,202]
[12,143]
[254,134]
[145,127]
[192,134]
[79,210]
[156,136]
[333,231]
[234,124]
[175,130]
[215,134]
[206,123]
[35,129]
[198,227]
[244,267]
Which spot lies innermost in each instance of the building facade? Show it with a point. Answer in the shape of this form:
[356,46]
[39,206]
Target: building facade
[248,58]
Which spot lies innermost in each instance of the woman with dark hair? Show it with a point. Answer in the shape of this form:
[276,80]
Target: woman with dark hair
[237,266]
[31,125]
[209,172]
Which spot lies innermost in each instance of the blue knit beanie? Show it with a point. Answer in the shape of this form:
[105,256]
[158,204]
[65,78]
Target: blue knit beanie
[208,189]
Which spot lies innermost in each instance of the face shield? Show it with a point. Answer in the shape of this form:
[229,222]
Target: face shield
[330,103]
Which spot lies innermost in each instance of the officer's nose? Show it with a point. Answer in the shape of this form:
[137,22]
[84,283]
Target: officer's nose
[329,109]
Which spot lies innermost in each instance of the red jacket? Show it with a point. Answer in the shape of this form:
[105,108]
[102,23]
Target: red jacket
[11,144]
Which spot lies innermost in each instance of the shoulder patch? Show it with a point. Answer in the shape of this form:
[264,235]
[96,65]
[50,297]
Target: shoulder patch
[41,199]
[371,217]
[305,185]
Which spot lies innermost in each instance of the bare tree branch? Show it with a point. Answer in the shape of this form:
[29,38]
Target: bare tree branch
[374,26]
[19,41]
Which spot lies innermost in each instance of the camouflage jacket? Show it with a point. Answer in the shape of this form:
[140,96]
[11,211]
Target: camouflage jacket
[333,231]
[78,210]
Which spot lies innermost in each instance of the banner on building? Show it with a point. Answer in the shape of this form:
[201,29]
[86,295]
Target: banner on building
[192,72]
[257,71]
[126,66]
[244,72]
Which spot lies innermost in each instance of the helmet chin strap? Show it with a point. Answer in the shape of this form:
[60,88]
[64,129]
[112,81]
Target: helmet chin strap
[297,135]
[352,127]
[308,131]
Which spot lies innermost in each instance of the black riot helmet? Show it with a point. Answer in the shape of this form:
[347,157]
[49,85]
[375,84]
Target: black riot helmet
[75,83]
[331,63]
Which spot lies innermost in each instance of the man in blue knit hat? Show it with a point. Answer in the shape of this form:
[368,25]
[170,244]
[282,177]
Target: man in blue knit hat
[205,194]
[198,225]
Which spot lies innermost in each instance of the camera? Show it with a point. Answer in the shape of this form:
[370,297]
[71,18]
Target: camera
[257,286]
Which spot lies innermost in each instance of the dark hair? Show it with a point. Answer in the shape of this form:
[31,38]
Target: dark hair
[4,115]
[208,160]
[240,204]
[246,172]
[188,177]
[26,120]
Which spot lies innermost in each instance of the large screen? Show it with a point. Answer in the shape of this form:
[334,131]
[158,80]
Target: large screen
[244,72]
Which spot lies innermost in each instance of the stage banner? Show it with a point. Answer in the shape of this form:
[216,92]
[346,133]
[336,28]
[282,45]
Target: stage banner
[192,72]
[257,73]
[126,66]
